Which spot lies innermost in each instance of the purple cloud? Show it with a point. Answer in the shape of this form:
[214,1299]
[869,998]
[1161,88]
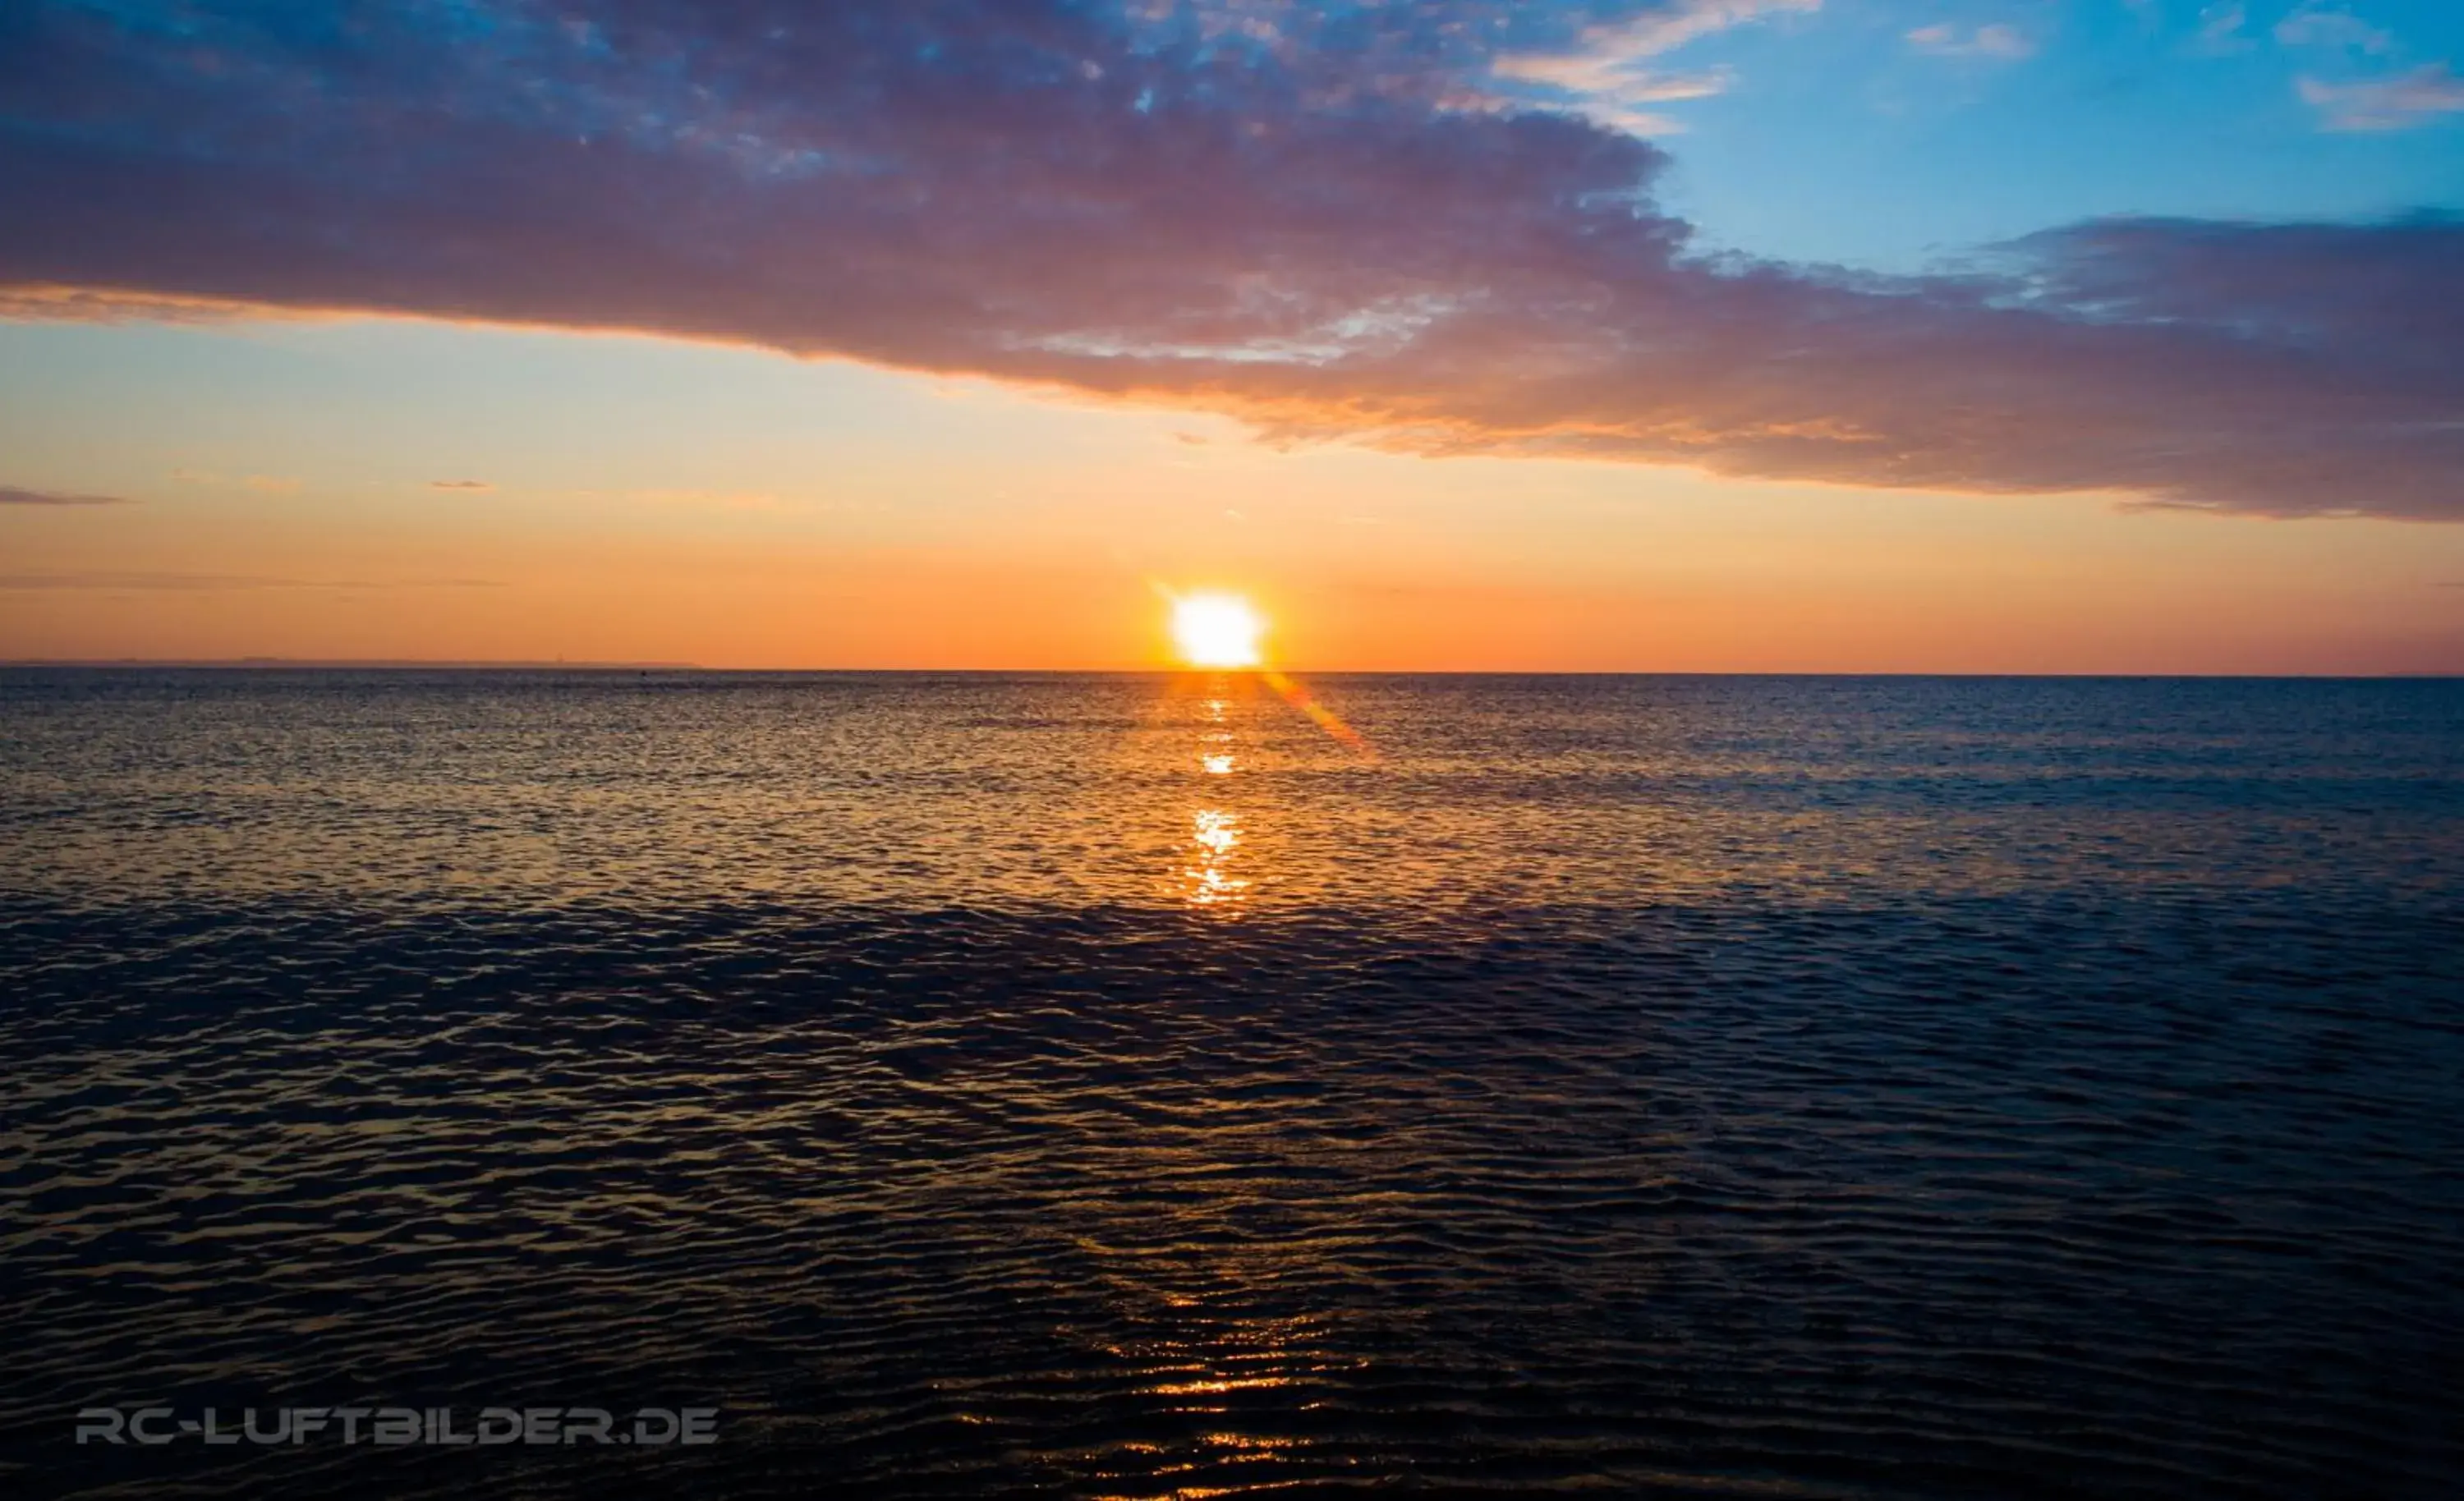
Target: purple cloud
[1320,220]
[13,496]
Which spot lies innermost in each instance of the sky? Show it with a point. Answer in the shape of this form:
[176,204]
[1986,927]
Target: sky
[2013,336]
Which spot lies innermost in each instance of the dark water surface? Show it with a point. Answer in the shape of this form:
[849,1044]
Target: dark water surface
[1115,1086]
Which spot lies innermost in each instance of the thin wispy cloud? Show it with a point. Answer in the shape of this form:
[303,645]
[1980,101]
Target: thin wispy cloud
[1664,28]
[2315,25]
[709,499]
[2221,29]
[1617,95]
[1333,227]
[2418,97]
[1611,76]
[17,495]
[459,485]
[2005,42]
[175,582]
[2353,94]
[262,484]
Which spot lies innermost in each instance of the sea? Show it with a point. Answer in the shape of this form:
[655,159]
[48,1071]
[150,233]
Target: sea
[965,1085]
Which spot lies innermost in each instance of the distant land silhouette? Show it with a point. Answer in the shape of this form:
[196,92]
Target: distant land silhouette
[332,663]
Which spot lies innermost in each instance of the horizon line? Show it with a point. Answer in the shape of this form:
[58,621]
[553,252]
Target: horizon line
[533,665]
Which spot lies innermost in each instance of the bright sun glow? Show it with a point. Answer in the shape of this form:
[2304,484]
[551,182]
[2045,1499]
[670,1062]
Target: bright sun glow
[1216,630]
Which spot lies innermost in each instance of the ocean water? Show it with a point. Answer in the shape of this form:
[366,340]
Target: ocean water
[1120,1086]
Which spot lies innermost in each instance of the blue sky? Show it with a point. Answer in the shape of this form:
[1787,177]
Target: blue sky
[1843,139]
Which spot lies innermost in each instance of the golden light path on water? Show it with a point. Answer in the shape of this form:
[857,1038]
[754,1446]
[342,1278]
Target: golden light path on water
[1197,1359]
[1223,632]
[1215,832]
[1211,875]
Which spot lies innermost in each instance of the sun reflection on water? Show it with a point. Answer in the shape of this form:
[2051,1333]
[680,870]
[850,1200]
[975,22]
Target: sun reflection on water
[1208,878]
[1213,835]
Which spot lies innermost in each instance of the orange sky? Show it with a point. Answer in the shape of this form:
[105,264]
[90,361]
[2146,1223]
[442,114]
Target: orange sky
[630,499]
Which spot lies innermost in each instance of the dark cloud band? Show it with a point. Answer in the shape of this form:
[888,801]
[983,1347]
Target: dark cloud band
[11,495]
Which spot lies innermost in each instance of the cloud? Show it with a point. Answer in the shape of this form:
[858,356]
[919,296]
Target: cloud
[1328,226]
[263,484]
[2220,29]
[1615,96]
[152,581]
[2313,25]
[15,496]
[31,301]
[1608,76]
[2393,103]
[1983,41]
[459,485]
[1664,28]
[714,499]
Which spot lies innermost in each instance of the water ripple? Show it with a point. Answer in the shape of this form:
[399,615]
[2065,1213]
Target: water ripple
[1630,1119]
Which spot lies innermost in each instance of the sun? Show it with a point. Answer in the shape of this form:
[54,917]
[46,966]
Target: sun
[1216,630]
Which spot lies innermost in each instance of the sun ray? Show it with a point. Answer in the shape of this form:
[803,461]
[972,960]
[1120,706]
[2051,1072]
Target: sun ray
[1325,718]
